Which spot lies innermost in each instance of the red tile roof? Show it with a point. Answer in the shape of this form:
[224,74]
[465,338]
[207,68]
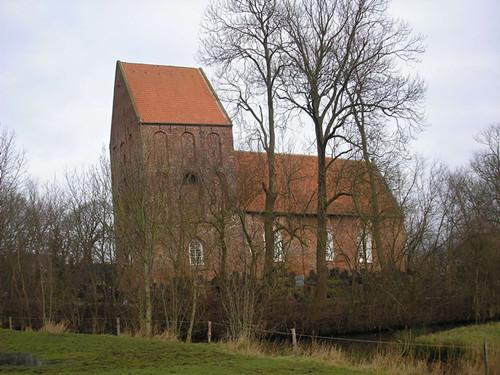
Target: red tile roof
[173,95]
[297,182]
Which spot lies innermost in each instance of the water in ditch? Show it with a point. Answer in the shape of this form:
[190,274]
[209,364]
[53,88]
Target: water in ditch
[19,359]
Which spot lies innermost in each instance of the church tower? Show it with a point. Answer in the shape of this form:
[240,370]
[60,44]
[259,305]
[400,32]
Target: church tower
[171,140]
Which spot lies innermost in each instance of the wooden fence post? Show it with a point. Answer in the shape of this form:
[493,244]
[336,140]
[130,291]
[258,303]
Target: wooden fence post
[118,326]
[209,332]
[294,341]
[10,322]
[485,356]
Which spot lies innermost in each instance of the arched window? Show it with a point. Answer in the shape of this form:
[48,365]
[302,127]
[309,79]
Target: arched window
[195,253]
[330,255]
[279,251]
[365,246]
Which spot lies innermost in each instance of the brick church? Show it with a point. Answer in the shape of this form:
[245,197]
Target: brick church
[181,187]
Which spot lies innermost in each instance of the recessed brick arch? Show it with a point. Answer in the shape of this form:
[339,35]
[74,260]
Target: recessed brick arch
[214,147]
[160,147]
[188,149]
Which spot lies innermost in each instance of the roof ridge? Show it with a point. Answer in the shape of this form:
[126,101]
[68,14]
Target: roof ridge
[159,65]
[290,154]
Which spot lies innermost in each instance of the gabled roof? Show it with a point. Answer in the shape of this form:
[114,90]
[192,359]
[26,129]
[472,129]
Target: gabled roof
[172,95]
[296,180]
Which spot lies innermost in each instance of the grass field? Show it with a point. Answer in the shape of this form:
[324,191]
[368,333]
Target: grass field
[87,354]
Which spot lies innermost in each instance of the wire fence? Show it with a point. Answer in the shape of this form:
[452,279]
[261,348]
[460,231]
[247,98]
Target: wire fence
[116,324]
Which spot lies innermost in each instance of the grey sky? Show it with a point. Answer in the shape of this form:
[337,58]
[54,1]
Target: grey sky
[57,61]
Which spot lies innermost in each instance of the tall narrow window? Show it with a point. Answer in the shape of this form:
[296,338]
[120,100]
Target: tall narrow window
[196,253]
[365,247]
[330,256]
[279,252]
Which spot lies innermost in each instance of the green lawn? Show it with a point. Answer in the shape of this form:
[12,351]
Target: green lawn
[88,354]
[472,335]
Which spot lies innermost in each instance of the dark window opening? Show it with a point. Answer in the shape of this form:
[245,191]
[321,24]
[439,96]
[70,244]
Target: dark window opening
[190,179]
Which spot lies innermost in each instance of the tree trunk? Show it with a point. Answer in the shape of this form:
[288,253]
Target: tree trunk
[374,203]
[269,214]
[193,310]
[148,304]
[223,259]
[321,268]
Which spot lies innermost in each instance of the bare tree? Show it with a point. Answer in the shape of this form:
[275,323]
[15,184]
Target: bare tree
[330,42]
[90,225]
[420,193]
[12,162]
[12,165]
[486,166]
[242,38]
[11,208]
[386,108]
[140,205]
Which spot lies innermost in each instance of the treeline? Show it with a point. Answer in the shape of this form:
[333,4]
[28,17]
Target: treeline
[58,261]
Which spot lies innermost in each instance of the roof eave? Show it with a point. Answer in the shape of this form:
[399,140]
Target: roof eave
[156,123]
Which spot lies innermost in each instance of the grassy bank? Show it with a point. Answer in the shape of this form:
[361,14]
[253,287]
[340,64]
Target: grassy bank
[87,354]
[463,344]
[468,336]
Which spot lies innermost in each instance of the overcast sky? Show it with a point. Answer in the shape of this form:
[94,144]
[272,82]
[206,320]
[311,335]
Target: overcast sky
[57,62]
